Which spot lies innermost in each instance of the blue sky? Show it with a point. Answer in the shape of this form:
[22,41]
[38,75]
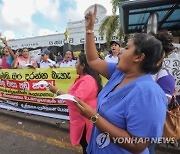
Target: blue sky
[28,18]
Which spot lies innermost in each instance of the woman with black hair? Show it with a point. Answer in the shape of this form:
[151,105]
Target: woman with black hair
[163,78]
[8,57]
[86,87]
[24,61]
[68,60]
[131,107]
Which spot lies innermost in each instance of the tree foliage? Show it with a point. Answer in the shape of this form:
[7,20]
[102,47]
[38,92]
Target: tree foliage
[115,5]
[111,24]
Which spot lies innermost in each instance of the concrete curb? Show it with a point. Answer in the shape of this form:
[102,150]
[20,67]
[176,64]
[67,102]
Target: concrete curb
[58,123]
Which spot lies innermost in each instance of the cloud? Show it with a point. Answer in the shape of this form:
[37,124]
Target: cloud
[9,34]
[49,8]
[82,5]
[16,16]
[45,32]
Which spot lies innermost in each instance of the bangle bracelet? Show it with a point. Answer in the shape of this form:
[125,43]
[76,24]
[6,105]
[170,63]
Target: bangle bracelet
[57,92]
[89,31]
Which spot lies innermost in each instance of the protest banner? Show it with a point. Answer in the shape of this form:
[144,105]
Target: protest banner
[18,88]
[173,66]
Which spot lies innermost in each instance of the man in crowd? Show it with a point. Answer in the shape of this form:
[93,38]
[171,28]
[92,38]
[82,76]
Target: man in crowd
[115,49]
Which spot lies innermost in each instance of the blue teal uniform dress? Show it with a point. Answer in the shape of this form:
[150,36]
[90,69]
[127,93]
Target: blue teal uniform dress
[138,107]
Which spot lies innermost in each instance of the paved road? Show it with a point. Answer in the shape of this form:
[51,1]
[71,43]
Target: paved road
[29,134]
[21,136]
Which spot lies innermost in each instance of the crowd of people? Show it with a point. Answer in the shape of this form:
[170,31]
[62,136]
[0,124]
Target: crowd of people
[132,104]
[22,59]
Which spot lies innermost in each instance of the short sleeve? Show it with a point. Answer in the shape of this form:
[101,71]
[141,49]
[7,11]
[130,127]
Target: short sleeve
[167,83]
[111,68]
[145,114]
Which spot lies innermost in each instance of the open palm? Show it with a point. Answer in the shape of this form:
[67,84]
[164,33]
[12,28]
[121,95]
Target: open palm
[90,19]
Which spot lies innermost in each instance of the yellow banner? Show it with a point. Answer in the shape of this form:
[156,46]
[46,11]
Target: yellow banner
[21,84]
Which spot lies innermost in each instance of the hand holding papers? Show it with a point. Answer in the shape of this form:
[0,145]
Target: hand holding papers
[29,66]
[66,97]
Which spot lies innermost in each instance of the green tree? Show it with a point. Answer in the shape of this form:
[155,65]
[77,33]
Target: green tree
[111,24]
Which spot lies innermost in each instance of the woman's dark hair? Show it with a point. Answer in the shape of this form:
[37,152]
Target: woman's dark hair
[166,38]
[152,49]
[88,70]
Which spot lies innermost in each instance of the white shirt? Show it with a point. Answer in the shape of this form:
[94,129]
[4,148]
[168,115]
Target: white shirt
[68,64]
[46,64]
[112,59]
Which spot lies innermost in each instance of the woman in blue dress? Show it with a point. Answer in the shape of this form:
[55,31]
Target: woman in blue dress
[131,107]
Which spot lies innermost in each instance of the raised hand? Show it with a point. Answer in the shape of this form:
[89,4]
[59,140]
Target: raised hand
[4,41]
[17,53]
[90,18]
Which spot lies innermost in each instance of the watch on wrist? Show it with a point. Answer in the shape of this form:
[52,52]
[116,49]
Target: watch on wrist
[94,118]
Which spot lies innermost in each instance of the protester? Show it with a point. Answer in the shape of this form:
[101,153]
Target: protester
[24,61]
[115,49]
[46,61]
[163,77]
[165,80]
[86,87]
[76,54]
[59,59]
[68,60]
[131,105]
[8,57]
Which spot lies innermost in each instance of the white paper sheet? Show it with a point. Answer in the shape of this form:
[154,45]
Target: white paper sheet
[41,82]
[66,97]
[28,65]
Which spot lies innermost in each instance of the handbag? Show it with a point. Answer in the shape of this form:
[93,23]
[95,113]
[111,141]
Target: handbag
[172,123]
